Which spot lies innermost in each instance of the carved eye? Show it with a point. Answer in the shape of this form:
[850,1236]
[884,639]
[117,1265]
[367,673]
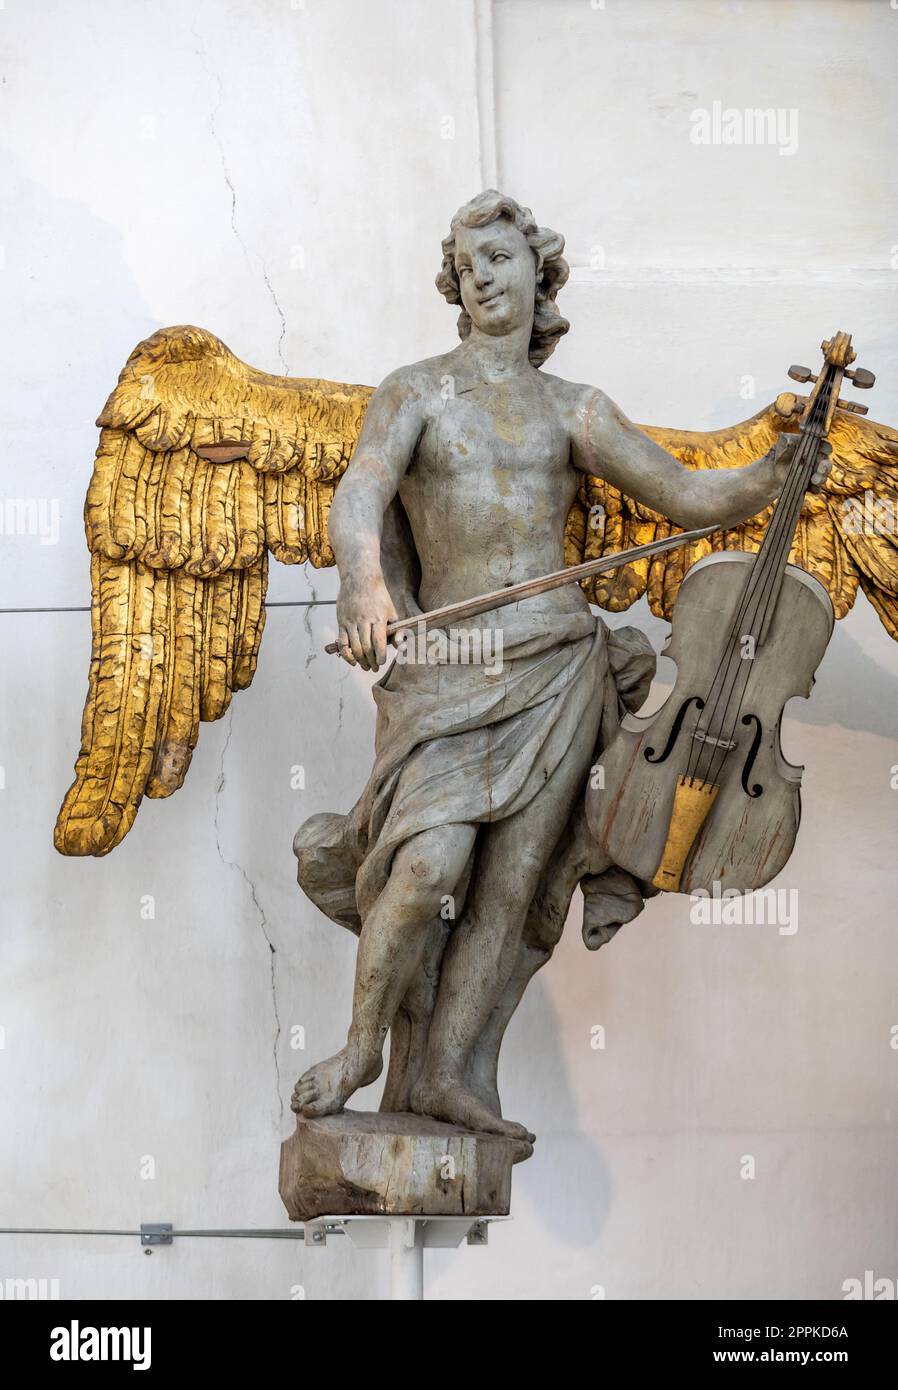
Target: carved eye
[499,256]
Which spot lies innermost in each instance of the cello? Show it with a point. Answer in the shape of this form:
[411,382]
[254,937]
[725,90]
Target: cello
[698,796]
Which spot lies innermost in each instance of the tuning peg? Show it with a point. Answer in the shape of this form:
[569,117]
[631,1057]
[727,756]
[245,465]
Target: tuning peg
[861,378]
[801,374]
[853,407]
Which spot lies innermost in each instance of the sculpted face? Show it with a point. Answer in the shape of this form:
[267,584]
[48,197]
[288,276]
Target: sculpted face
[497,273]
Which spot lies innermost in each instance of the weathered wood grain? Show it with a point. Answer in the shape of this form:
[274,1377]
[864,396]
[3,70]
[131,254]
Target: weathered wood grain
[360,1163]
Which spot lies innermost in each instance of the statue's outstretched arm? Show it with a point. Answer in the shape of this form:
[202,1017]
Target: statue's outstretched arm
[610,446]
[835,541]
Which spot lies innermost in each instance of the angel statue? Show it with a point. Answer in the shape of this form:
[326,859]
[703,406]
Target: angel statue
[458,476]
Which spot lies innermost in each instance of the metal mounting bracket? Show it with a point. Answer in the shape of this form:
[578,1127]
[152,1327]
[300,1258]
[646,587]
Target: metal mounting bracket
[156,1233]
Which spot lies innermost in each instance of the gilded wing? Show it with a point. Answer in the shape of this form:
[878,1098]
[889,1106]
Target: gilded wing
[846,536]
[203,466]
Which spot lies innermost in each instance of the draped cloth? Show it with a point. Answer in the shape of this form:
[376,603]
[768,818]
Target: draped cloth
[475,742]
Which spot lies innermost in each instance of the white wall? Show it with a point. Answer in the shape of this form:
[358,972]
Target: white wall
[280,175]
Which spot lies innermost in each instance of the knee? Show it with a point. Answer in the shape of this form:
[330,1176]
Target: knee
[430,870]
[427,867]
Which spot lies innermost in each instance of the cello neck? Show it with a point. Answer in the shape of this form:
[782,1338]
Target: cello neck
[766,577]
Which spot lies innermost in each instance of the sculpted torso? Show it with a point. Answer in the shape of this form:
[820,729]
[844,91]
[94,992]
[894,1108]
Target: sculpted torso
[490,481]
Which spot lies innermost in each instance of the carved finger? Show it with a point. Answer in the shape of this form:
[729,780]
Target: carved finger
[379,640]
[823,466]
[344,648]
[365,638]
[357,650]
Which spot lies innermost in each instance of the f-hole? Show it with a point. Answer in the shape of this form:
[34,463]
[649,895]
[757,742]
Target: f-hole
[752,754]
[675,730]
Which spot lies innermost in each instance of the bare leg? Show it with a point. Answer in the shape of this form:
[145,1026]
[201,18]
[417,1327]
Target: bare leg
[483,952]
[408,1031]
[391,947]
[575,855]
[410,1026]
[482,1076]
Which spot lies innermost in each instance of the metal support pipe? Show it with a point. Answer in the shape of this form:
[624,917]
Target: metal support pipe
[406,1259]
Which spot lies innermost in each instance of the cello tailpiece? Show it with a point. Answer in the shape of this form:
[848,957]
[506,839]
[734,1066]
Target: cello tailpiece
[693,800]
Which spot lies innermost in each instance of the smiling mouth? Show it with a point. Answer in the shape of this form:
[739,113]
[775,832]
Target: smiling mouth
[491,298]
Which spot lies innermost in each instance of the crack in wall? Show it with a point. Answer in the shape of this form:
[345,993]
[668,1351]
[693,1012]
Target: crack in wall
[263,919]
[200,50]
[311,654]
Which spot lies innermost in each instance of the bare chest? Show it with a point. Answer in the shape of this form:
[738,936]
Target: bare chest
[509,428]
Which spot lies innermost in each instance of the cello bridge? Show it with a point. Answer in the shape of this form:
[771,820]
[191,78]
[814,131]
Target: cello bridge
[701,737]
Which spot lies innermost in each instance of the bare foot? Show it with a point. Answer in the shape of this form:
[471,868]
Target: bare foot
[325,1088]
[443,1097]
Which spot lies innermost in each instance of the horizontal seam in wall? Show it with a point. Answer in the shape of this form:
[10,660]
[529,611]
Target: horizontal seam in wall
[278,603]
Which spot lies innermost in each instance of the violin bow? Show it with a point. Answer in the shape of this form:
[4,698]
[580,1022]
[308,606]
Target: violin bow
[499,598]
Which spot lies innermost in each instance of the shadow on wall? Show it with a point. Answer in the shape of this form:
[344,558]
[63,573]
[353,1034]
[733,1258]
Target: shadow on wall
[580,1203]
[59,257]
[853,690]
[75,311]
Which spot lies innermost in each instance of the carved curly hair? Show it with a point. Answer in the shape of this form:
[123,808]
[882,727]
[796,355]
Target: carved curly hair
[552,269]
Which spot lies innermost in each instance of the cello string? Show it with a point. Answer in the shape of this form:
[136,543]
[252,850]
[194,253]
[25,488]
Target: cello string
[781,521]
[765,592]
[764,566]
[731,696]
[766,595]
[753,579]
[759,590]
[736,698]
[793,502]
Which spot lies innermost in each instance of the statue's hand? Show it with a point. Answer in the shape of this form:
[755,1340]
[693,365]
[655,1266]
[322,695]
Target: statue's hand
[364,608]
[783,454]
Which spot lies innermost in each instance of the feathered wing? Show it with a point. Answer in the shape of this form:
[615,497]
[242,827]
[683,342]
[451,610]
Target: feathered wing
[846,536]
[203,466]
